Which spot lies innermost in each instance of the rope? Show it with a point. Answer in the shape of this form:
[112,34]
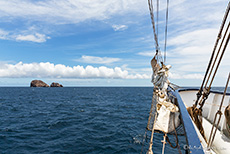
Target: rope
[157,16]
[148,124]
[225,46]
[163,148]
[218,64]
[151,140]
[166,30]
[219,36]
[195,115]
[151,110]
[218,53]
[213,53]
[207,90]
[175,135]
[174,86]
[212,135]
[177,140]
[153,23]
[227,118]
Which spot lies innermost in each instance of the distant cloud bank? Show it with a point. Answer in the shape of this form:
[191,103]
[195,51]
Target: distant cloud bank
[49,70]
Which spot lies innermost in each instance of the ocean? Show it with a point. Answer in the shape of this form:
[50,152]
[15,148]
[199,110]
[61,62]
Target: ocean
[80,120]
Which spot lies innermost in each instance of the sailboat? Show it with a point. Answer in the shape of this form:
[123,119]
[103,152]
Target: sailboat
[201,113]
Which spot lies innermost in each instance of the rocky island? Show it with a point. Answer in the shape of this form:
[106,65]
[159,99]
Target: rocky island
[40,83]
[54,84]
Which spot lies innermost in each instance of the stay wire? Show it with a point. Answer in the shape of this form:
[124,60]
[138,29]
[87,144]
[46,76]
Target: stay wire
[213,53]
[166,30]
[213,130]
[149,121]
[217,54]
[217,41]
[218,64]
[202,101]
[157,16]
[153,24]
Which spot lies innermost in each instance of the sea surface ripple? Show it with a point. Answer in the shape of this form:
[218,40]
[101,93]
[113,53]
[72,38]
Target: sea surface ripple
[75,120]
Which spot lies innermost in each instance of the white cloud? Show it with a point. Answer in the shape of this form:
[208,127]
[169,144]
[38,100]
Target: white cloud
[192,40]
[39,38]
[49,70]
[68,11]
[194,37]
[193,26]
[3,34]
[192,50]
[119,27]
[36,37]
[97,60]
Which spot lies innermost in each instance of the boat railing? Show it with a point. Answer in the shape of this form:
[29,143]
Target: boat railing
[193,142]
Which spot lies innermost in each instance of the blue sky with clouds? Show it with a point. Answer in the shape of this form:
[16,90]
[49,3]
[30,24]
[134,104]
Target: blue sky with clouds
[105,43]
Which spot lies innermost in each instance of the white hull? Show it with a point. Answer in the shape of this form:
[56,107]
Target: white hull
[221,144]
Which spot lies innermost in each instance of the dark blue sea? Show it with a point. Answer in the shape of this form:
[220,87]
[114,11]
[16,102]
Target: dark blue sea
[76,120]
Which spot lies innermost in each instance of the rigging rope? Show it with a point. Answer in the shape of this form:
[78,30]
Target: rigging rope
[217,53]
[153,24]
[207,89]
[163,148]
[166,29]
[177,140]
[212,134]
[155,27]
[218,64]
[196,113]
[151,140]
[157,17]
[213,53]
[159,60]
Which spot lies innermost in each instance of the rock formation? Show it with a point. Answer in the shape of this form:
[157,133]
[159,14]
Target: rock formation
[54,84]
[38,83]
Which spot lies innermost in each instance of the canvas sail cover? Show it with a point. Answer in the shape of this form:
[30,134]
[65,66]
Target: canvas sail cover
[167,114]
[164,115]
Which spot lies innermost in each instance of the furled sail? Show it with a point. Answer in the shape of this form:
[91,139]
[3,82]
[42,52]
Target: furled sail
[162,107]
[164,115]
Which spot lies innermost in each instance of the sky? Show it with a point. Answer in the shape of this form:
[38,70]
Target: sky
[106,43]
